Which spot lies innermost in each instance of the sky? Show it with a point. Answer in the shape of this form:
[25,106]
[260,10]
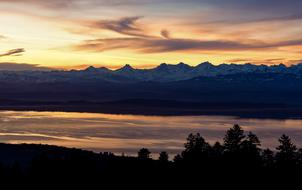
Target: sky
[73,34]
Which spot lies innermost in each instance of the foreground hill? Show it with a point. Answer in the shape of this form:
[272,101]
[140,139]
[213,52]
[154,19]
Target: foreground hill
[239,160]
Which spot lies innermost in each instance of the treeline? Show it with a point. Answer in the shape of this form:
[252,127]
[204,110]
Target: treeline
[239,158]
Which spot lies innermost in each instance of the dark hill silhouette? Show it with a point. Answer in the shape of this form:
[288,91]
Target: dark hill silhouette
[239,158]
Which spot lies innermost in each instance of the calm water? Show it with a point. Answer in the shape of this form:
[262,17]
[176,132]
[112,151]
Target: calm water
[128,133]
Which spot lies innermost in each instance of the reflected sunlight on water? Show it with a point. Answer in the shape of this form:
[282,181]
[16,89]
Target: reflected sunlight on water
[128,133]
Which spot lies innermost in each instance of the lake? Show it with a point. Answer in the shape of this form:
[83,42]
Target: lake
[128,133]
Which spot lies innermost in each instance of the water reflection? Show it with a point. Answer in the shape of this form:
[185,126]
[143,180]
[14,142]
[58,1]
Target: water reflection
[128,133]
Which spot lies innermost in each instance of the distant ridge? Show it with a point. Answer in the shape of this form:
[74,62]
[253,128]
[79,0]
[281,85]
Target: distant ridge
[225,85]
[202,64]
[181,71]
[162,73]
[207,66]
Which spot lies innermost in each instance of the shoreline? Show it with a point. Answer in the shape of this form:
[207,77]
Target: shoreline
[250,113]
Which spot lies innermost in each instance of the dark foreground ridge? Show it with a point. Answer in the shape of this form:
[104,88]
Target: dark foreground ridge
[238,160]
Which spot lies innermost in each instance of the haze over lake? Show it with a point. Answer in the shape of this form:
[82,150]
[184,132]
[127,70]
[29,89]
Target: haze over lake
[128,133]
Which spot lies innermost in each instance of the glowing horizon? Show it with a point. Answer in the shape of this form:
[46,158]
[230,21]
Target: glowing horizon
[75,34]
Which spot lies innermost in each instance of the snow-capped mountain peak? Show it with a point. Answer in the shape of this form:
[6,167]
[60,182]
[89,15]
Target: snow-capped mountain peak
[162,73]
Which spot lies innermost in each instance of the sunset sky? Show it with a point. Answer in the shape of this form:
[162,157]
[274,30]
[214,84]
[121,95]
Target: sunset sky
[70,34]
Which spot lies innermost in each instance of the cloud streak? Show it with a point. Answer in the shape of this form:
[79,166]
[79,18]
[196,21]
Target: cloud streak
[53,4]
[139,41]
[11,66]
[2,37]
[165,34]
[126,26]
[265,61]
[159,45]
[13,52]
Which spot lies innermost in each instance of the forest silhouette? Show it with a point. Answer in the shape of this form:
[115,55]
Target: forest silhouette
[239,159]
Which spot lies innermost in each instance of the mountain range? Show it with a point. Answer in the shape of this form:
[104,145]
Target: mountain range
[227,89]
[162,73]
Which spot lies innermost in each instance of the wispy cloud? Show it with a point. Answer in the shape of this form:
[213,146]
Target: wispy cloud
[13,52]
[165,33]
[2,37]
[159,45]
[289,17]
[137,39]
[125,25]
[265,61]
[245,20]
[256,61]
[11,66]
[54,4]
